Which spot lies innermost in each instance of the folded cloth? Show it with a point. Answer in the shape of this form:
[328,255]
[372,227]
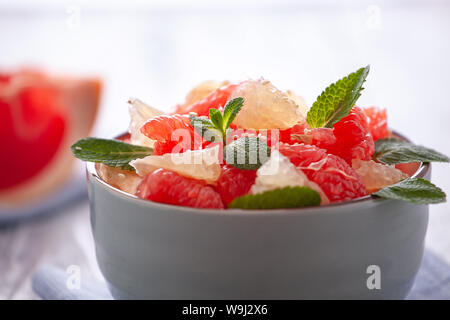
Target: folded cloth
[50,283]
[53,283]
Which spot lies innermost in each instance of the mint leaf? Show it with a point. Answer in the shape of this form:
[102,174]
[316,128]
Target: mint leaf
[288,197]
[113,153]
[206,129]
[415,190]
[216,118]
[230,111]
[336,101]
[216,126]
[392,151]
[247,153]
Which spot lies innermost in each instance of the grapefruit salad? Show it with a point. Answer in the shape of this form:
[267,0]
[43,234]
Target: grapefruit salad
[249,145]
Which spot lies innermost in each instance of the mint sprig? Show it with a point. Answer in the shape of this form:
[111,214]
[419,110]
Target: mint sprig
[113,153]
[216,126]
[288,197]
[336,101]
[414,190]
[393,151]
[230,111]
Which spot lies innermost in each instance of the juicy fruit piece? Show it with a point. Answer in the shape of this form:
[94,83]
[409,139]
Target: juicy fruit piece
[279,172]
[202,90]
[299,101]
[216,99]
[376,175]
[409,168]
[353,138]
[265,107]
[124,180]
[42,127]
[377,120]
[40,118]
[323,138]
[336,178]
[173,134]
[139,114]
[234,182]
[160,128]
[169,187]
[198,164]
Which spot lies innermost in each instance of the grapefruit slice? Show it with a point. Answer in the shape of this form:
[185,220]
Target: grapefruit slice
[279,172]
[40,117]
[139,114]
[377,175]
[203,90]
[265,107]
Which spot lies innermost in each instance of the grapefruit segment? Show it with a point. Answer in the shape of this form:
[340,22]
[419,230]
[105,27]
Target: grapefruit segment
[197,164]
[169,187]
[377,119]
[265,107]
[124,180]
[172,133]
[279,172]
[234,182]
[139,114]
[201,91]
[377,175]
[353,137]
[216,99]
[336,178]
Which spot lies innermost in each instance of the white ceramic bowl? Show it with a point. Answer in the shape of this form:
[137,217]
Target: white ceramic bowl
[149,250]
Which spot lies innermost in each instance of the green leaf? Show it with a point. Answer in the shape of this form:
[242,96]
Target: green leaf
[392,151]
[288,197]
[247,153]
[230,111]
[206,129]
[113,153]
[215,128]
[415,190]
[337,100]
[216,118]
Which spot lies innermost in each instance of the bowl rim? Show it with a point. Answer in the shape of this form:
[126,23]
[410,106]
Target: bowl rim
[91,171]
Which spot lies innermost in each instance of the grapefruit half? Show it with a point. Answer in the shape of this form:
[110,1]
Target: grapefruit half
[40,118]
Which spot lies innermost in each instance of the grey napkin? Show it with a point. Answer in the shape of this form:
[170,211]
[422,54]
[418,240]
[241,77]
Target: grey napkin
[432,282]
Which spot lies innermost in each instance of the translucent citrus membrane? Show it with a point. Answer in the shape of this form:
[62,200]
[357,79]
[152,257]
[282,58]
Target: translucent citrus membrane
[299,101]
[265,107]
[279,172]
[377,175]
[124,180]
[196,164]
[139,114]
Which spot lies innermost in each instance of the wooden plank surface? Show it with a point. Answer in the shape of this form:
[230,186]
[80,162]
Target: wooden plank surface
[62,239]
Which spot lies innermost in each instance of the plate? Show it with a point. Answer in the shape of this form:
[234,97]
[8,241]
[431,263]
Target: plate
[73,191]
